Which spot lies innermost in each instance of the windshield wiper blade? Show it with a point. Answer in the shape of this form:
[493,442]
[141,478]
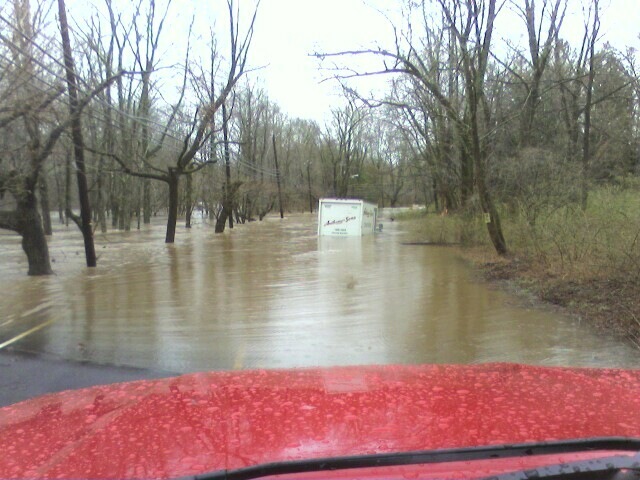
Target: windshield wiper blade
[617,467]
[427,457]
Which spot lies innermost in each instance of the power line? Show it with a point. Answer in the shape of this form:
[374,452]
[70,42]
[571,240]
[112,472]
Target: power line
[156,126]
[93,114]
[57,75]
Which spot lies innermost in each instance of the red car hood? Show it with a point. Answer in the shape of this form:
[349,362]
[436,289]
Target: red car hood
[225,420]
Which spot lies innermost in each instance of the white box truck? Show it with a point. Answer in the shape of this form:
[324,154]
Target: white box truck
[346,217]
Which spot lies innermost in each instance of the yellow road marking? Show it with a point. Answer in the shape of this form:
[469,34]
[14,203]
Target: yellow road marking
[24,334]
[237,365]
[6,323]
[37,309]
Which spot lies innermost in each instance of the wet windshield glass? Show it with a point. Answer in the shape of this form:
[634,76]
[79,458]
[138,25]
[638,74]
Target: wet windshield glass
[241,232]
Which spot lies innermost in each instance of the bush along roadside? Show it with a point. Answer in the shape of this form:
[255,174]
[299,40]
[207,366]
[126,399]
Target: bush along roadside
[585,261]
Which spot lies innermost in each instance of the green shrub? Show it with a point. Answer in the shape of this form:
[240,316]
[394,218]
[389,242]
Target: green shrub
[604,239]
[465,228]
[601,241]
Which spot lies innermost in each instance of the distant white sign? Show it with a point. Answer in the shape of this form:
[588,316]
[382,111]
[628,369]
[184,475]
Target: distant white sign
[339,217]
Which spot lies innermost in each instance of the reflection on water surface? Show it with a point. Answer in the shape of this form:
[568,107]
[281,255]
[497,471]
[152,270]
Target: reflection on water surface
[273,294]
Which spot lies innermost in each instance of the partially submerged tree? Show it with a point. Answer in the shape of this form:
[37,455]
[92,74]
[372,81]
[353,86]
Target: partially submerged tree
[471,25]
[30,125]
[84,221]
[187,152]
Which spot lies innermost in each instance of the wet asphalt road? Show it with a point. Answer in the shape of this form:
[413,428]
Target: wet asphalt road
[26,375]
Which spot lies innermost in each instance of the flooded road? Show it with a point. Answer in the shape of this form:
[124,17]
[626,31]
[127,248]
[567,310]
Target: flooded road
[272,294]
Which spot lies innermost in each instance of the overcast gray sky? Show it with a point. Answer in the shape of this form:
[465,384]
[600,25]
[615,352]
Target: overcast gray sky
[287,31]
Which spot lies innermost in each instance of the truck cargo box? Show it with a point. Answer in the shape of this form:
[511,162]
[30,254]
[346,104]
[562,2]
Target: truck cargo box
[346,217]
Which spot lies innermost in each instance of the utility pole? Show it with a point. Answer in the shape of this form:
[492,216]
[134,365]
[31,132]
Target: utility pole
[275,156]
[227,165]
[309,187]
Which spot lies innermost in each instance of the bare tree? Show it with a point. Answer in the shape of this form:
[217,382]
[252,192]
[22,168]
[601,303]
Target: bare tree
[84,222]
[588,104]
[551,12]
[30,125]
[346,145]
[255,117]
[230,190]
[187,158]
[577,95]
[472,24]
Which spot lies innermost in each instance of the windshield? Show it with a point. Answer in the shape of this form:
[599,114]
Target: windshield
[314,230]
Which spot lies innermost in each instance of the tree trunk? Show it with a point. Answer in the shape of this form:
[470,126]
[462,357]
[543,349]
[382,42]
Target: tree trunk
[78,142]
[227,164]
[478,154]
[586,139]
[146,201]
[189,201]
[466,174]
[101,207]
[138,216]
[44,205]
[123,205]
[67,187]
[275,158]
[381,189]
[222,218]
[309,187]
[34,242]
[435,195]
[494,226]
[227,194]
[529,111]
[173,180]
[59,194]
[115,215]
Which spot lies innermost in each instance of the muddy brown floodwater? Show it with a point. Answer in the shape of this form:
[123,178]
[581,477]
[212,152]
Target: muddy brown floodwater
[272,294]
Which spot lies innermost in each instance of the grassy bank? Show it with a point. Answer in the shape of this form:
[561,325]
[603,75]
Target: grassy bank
[585,261]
